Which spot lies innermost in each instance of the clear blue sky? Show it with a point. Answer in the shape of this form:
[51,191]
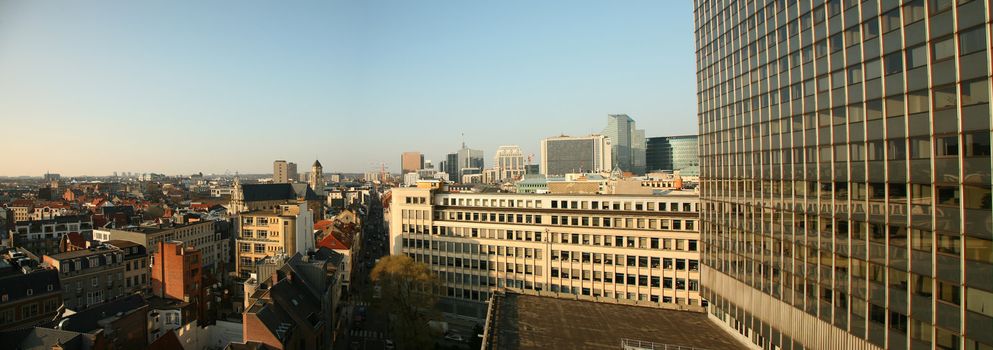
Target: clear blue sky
[92,87]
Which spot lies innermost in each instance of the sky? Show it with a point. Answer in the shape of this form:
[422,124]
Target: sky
[180,87]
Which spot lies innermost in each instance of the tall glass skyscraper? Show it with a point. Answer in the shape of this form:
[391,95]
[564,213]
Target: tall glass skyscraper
[845,171]
[628,144]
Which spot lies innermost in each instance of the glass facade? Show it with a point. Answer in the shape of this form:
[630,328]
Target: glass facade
[845,170]
[674,153]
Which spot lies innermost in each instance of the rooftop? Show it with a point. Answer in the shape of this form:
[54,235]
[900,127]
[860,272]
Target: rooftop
[159,228]
[536,322]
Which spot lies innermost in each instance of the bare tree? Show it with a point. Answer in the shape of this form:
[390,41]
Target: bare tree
[407,289]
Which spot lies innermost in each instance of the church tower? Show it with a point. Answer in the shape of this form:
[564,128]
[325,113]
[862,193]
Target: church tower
[317,178]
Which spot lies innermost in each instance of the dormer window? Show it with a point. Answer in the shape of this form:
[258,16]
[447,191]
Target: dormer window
[50,287]
[3,298]
[30,291]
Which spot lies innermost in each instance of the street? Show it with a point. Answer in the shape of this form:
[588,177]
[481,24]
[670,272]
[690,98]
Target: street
[365,326]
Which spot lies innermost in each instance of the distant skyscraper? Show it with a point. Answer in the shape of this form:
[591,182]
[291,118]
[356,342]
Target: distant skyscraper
[462,161]
[411,162]
[845,172]
[509,162]
[284,172]
[671,153]
[627,143]
[566,154]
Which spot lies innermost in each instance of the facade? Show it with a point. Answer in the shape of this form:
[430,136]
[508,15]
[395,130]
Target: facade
[845,172]
[566,154]
[633,248]
[137,275]
[203,236]
[29,296]
[177,273]
[627,143]
[267,233]
[43,236]
[509,163]
[469,161]
[284,172]
[674,153]
[411,162]
[90,276]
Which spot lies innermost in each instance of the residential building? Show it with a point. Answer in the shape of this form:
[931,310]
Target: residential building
[286,230]
[674,153]
[89,276]
[296,307]
[509,163]
[627,143]
[615,247]
[22,208]
[29,296]
[137,275]
[567,154]
[177,273]
[284,172]
[411,162]
[205,236]
[122,322]
[43,236]
[845,172]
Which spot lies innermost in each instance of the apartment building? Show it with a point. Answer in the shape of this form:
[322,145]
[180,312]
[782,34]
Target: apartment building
[43,236]
[136,262]
[287,229]
[29,296]
[204,236]
[89,276]
[177,273]
[625,247]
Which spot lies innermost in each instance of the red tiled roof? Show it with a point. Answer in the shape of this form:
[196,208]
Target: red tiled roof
[323,224]
[76,239]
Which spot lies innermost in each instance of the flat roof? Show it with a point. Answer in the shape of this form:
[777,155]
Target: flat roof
[538,322]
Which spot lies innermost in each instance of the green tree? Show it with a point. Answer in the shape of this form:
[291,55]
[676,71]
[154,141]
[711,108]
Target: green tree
[407,289]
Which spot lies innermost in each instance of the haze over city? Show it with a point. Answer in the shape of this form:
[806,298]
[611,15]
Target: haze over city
[179,88]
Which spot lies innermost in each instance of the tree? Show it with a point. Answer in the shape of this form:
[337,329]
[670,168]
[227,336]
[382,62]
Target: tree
[407,292]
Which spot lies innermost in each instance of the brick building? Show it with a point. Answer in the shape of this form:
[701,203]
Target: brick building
[177,274]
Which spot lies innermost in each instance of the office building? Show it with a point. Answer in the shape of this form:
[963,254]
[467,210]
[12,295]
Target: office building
[411,162]
[616,247]
[89,276]
[627,143]
[284,172]
[285,230]
[508,163]
[674,153]
[567,154]
[845,172]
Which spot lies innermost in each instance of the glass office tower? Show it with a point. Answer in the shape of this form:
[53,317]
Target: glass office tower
[845,171]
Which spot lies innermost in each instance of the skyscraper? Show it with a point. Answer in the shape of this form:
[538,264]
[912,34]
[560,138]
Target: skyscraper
[509,162]
[845,172]
[284,172]
[627,143]
[671,153]
[411,162]
[567,154]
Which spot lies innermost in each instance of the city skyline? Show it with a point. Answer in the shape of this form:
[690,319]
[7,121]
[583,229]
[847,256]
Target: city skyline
[326,69]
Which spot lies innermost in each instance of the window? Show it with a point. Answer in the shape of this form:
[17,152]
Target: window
[943,49]
[973,40]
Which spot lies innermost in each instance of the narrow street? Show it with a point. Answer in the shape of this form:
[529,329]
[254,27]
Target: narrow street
[368,332]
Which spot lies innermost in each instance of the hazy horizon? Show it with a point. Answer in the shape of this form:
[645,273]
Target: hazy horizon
[186,87]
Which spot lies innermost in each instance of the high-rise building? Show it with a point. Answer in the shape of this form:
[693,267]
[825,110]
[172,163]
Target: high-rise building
[672,153]
[284,172]
[635,248]
[508,163]
[567,154]
[470,161]
[411,162]
[627,143]
[845,172]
